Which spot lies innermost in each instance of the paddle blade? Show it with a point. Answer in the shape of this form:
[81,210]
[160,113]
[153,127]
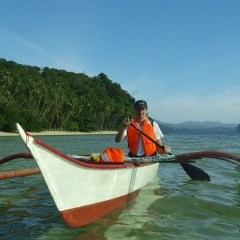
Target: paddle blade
[195,173]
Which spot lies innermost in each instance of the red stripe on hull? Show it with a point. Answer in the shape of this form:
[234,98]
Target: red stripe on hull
[82,216]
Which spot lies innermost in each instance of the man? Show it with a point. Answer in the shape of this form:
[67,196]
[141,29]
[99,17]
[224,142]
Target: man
[138,144]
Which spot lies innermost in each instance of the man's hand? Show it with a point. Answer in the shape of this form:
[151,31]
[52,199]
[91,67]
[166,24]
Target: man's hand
[127,122]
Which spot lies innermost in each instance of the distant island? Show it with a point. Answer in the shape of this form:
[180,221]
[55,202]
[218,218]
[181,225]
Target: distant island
[199,127]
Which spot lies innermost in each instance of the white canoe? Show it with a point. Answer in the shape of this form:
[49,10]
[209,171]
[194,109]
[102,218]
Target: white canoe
[86,191]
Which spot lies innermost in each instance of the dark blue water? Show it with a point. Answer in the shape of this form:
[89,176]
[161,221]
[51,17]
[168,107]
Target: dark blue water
[170,207]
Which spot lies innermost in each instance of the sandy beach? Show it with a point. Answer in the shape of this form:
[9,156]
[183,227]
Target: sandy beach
[57,133]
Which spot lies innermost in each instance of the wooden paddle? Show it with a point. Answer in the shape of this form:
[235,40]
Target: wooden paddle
[193,172]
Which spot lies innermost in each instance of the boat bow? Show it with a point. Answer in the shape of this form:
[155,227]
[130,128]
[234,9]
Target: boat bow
[83,191]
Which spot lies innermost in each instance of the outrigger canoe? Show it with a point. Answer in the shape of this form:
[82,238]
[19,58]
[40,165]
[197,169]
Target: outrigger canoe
[84,191]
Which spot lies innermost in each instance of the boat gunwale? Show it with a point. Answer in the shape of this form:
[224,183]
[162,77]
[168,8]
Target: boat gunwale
[89,164]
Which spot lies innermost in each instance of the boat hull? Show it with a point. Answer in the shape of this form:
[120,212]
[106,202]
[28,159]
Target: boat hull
[95,211]
[86,191]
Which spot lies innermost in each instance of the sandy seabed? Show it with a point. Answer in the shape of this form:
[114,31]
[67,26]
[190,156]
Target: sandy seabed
[57,133]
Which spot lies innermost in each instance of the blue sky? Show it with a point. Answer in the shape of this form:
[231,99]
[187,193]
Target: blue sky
[181,56]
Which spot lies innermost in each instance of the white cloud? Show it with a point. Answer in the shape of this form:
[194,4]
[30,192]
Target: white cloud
[18,40]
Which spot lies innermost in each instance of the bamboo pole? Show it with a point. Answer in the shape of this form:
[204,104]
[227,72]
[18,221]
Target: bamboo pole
[19,173]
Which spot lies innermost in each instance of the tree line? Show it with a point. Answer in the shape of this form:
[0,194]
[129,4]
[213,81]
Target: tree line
[43,99]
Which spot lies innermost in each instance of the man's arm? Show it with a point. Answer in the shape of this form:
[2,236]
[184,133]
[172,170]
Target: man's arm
[159,135]
[121,134]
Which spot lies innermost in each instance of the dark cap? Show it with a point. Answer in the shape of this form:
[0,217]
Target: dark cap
[140,103]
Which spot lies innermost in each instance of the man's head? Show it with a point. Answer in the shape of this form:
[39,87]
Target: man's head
[140,104]
[141,110]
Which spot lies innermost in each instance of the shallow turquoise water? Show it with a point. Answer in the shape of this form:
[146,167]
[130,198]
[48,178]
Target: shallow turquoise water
[170,207]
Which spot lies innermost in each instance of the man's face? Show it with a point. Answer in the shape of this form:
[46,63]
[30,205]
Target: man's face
[140,113]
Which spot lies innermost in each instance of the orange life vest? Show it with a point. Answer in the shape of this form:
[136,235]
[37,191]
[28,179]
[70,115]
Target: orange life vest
[112,155]
[133,138]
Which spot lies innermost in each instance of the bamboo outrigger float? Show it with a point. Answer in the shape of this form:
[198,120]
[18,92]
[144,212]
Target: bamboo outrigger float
[84,191]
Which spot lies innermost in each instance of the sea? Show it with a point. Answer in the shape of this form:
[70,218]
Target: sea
[171,206]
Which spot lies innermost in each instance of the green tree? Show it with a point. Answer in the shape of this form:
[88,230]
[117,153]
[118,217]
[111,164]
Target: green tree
[44,99]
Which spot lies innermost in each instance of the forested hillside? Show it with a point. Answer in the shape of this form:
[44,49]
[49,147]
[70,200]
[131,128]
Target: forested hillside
[50,99]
